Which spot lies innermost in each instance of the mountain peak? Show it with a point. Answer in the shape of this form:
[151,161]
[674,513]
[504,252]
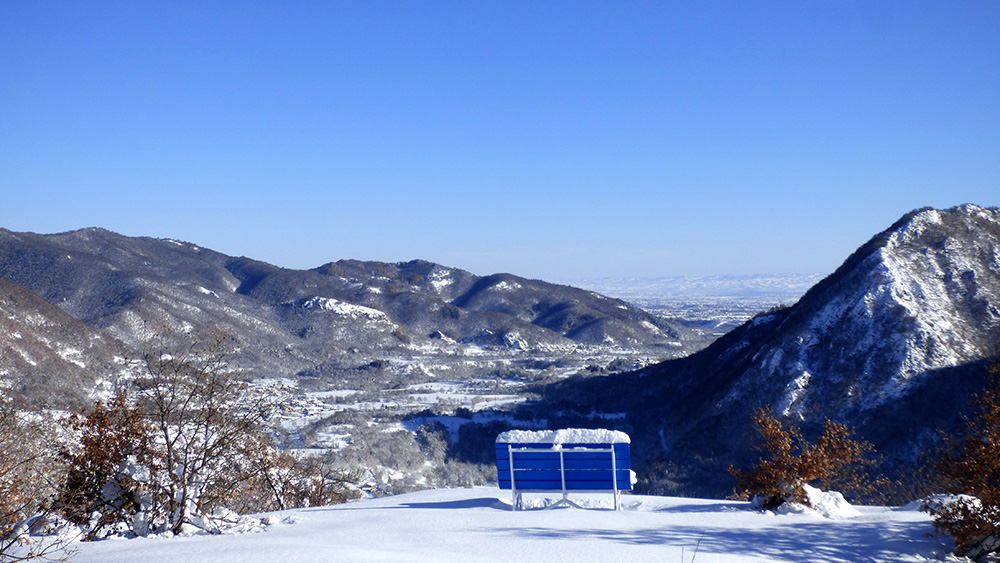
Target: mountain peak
[922,295]
[892,343]
[953,222]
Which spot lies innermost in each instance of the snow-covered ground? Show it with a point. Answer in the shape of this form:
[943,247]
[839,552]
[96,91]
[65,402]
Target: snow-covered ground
[469,525]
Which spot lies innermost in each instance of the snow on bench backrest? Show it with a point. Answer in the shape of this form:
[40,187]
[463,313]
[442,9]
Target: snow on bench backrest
[564,436]
[558,460]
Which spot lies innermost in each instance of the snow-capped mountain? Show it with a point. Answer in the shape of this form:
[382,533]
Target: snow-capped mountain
[921,296]
[892,343]
[340,316]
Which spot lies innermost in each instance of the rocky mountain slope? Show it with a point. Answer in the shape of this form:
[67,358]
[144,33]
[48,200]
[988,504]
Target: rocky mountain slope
[921,296]
[320,322]
[48,356]
[892,343]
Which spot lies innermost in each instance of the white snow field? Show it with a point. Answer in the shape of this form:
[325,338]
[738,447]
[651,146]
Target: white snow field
[477,524]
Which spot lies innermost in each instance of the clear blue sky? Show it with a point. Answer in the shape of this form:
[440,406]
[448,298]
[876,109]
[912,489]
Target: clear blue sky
[549,139]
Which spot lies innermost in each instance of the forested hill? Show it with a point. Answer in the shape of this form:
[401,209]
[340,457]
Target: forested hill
[335,317]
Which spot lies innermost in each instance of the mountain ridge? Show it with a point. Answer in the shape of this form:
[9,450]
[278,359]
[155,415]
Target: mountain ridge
[911,317]
[291,322]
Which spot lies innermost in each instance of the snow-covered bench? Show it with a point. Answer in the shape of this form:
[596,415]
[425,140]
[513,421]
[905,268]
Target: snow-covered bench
[561,461]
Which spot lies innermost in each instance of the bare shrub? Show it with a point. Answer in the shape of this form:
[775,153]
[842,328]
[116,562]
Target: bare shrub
[792,461]
[282,481]
[971,469]
[318,480]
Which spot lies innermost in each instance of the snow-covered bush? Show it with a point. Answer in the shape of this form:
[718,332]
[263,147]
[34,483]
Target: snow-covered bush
[283,480]
[793,462]
[830,504]
[972,473]
[110,472]
[208,427]
[971,522]
[28,469]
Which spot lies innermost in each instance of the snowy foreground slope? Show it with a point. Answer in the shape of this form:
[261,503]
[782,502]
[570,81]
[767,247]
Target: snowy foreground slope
[468,525]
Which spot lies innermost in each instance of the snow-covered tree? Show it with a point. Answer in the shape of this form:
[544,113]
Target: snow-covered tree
[28,476]
[208,426]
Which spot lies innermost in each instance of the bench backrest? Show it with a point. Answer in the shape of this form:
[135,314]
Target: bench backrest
[575,467]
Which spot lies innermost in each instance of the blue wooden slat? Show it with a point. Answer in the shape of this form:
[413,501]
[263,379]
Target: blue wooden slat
[539,486]
[587,455]
[529,476]
[591,486]
[624,480]
[606,470]
[569,463]
[519,456]
[619,448]
[571,475]
[528,480]
[532,464]
[599,473]
[537,475]
[624,485]
[585,464]
[590,474]
[557,485]
[601,456]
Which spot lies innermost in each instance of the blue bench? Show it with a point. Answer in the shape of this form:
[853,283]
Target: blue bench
[563,461]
